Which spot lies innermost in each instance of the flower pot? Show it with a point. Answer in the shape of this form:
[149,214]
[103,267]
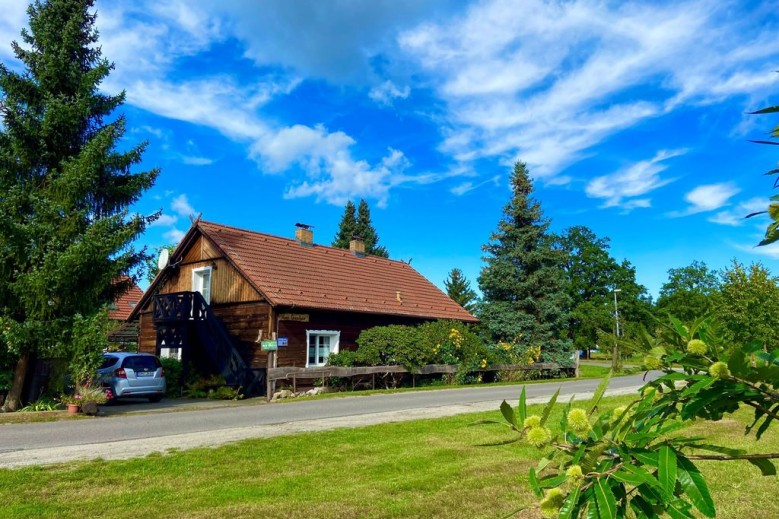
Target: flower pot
[73,408]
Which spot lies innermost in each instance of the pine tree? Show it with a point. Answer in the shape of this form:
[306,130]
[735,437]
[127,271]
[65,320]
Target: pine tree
[347,227]
[459,290]
[524,296]
[65,229]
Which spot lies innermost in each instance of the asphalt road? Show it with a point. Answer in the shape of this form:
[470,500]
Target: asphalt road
[124,433]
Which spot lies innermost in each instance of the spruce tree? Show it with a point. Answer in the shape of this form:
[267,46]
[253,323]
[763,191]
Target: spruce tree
[524,295]
[364,229]
[65,227]
[347,227]
[459,290]
[356,223]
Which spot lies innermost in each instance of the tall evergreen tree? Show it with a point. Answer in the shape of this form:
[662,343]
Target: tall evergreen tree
[65,230]
[347,226]
[364,229]
[459,290]
[356,222]
[522,282]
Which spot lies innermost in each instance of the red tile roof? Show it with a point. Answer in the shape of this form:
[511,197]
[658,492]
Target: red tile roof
[122,308]
[320,277]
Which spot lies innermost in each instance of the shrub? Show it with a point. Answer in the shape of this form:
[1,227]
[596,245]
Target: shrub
[174,370]
[390,345]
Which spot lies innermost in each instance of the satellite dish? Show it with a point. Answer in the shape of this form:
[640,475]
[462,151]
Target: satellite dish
[162,261]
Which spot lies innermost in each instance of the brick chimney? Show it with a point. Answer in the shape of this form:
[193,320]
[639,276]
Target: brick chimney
[357,246]
[304,235]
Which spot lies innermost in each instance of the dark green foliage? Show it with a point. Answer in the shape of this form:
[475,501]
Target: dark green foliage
[364,229]
[522,283]
[65,226]
[689,292]
[174,370]
[347,227]
[151,262]
[390,345]
[356,223]
[458,288]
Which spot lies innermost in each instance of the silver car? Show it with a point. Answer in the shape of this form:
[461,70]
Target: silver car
[133,375]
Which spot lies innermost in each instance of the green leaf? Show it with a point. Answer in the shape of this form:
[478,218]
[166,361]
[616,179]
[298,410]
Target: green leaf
[701,384]
[522,407]
[678,509]
[718,448]
[534,483]
[766,467]
[631,478]
[646,457]
[769,110]
[552,481]
[570,508]
[548,408]
[604,497]
[508,414]
[564,417]
[666,470]
[694,485]
[642,508]
[598,394]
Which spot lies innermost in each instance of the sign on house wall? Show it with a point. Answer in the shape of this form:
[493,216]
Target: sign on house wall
[269,345]
[303,318]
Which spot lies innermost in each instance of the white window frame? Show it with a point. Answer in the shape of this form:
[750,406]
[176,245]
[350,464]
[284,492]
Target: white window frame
[172,353]
[198,273]
[335,339]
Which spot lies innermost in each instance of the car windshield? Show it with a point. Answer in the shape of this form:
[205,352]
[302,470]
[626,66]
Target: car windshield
[108,360]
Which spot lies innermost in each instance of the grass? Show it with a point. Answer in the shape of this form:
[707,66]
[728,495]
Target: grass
[428,468]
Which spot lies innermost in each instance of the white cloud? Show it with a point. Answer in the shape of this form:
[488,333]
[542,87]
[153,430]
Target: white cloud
[707,198]
[622,188]
[196,161]
[174,236]
[165,220]
[181,206]
[735,217]
[387,92]
[548,81]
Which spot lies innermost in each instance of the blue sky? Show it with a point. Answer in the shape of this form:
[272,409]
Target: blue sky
[631,117]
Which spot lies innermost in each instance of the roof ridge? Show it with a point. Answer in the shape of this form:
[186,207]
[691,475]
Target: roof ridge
[292,240]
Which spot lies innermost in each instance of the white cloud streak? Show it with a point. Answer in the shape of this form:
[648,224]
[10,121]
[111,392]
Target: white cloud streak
[622,188]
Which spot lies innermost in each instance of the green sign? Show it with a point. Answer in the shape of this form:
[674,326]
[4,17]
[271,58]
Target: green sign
[269,346]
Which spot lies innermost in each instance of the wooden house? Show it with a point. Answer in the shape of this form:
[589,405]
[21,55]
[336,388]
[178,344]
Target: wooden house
[124,335]
[225,289]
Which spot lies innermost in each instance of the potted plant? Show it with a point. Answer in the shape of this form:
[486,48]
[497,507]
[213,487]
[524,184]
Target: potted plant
[72,402]
[91,396]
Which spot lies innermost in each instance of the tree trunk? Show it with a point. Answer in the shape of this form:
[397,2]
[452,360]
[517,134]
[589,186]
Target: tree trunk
[13,402]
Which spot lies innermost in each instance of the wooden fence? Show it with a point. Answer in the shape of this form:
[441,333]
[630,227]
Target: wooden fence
[323,372]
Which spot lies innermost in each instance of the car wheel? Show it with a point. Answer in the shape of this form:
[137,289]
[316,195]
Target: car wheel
[155,399]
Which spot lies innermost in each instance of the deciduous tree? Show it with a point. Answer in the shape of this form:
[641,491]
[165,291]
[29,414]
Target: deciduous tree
[689,291]
[65,229]
[746,303]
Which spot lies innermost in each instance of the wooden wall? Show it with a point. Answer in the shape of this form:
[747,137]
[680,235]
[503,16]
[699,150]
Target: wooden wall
[349,324]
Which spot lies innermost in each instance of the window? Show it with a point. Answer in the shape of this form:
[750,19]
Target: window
[172,353]
[201,282]
[321,343]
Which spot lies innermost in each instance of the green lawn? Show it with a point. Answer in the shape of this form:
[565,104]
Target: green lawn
[429,468]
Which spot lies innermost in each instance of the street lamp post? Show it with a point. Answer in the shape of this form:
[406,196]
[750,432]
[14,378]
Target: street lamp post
[615,354]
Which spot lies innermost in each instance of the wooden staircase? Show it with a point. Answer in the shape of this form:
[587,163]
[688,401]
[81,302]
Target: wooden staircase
[180,316]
